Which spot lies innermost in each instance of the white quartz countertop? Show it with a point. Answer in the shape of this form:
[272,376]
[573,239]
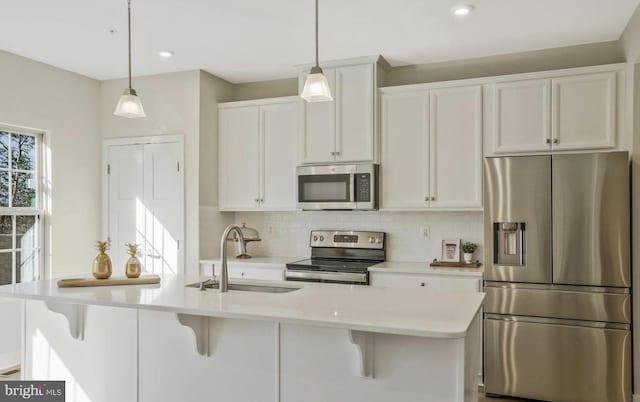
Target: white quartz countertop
[416,312]
[423,268]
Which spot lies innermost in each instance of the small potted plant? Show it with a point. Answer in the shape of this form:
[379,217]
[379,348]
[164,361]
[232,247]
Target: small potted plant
[468,249]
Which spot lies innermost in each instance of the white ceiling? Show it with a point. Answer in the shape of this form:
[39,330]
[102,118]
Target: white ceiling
[253,40]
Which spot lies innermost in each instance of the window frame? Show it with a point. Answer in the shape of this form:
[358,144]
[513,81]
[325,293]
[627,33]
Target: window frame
[37,211]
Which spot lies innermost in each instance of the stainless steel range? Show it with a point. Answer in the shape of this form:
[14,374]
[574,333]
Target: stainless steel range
[339,256]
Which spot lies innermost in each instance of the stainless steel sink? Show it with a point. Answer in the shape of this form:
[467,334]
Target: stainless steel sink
[246,287]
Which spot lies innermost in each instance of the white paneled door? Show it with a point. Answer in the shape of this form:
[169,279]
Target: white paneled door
[145,198]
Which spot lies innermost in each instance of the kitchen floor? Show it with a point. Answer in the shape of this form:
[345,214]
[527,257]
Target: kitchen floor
[484,398]
[10,374]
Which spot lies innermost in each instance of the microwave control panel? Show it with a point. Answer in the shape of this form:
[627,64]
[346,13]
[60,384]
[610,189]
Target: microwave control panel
[363,187]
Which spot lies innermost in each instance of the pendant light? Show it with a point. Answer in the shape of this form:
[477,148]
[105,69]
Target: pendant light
[129,104]
[316,87]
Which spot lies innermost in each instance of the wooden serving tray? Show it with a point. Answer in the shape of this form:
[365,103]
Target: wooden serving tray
[113,281]
[442,264]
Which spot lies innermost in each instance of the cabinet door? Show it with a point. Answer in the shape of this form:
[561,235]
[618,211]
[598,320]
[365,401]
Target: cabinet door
[425,281]
[279,128]
[239,158]
[455,157]
[318,134]
[584,111]
[521,116]
[355,113]
[405,148]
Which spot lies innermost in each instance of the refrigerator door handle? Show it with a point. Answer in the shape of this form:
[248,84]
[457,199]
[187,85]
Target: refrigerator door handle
[559,321]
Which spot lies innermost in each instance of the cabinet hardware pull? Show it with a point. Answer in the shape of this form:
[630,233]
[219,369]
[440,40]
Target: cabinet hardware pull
[422,284]
[333,154]
[433,198]
[426,198]
[555,141]
[548,141]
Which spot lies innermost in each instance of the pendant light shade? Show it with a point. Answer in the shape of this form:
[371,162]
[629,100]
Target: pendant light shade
[316,87]
[129,105]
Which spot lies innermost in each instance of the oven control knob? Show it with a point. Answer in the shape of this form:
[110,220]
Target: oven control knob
[321,238]
[378,240]
[315,238]
[372,240]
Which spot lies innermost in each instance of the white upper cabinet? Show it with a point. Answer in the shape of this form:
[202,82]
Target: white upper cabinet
[455,150]
[404,171]
[343,130]
[568,110]
[584,112]
[354,97]
[522,116]
[239,134]
[318,134]
[431,149]
[258,144]
[279,125]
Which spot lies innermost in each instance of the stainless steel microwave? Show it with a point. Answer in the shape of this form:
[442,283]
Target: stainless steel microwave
[327,187]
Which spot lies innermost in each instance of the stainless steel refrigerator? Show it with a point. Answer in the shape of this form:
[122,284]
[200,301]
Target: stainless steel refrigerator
[558,309]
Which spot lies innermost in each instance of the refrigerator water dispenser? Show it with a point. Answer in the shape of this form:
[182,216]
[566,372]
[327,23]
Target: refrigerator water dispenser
[509,243]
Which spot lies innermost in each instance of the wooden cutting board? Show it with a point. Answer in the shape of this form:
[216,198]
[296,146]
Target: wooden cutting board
[113,281]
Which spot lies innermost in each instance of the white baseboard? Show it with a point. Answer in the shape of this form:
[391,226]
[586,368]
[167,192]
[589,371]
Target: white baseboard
[9,360]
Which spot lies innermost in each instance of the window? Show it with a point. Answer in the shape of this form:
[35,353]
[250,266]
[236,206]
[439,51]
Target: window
[20,206]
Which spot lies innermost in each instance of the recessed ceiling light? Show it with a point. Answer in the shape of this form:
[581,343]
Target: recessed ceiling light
[462,10]
[167,54]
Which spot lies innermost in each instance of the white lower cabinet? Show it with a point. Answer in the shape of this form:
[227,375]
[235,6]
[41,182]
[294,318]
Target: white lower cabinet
[401,280]
[98,365]
[171,369]
[434,281]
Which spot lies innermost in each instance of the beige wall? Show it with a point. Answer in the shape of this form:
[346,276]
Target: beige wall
[180,103]
[265,89]
[630,40]
[212,222]
[635,224]
[66,105]
[171,102]
[548,59]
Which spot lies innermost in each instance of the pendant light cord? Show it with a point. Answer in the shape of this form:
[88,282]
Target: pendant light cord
[317,63]
[129,21]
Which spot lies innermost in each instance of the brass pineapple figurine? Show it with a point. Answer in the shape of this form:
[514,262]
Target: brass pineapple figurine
[133,268]
[102,262]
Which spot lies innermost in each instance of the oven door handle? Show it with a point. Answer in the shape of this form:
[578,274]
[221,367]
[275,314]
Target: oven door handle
[324,275]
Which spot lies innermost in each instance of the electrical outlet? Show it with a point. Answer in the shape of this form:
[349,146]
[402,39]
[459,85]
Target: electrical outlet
[425,232]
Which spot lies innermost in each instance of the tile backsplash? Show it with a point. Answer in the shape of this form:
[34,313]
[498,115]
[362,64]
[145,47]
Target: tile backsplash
[287,233]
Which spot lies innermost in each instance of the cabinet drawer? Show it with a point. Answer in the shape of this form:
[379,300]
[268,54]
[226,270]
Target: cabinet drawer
[266,274]
[426,281]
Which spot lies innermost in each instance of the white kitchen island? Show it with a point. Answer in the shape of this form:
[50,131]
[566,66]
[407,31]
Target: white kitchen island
[319,343]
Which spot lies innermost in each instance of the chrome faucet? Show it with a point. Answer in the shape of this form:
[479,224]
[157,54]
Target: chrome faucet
[224,276]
